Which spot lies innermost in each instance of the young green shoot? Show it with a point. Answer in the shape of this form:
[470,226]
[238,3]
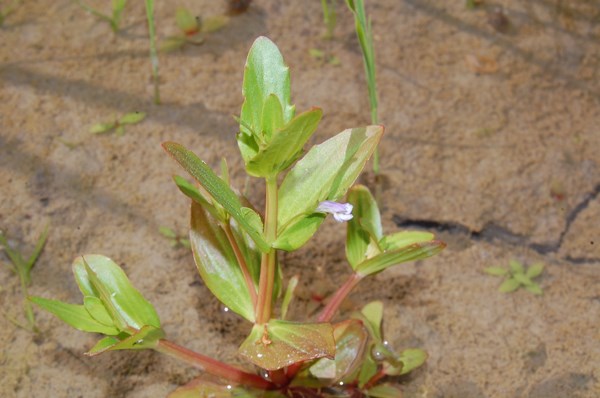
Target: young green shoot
[118,125]
[365,39]
[22,267]
[193,29]
[516,276]
[236,250]
[114,20]
[153,52]
[175,239]
[329,17]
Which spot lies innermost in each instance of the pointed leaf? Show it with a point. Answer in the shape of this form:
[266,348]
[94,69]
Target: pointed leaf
[186,21]
[416,251]
[516,267]
[411,358]
[350,341]
[146,337]
[405,238]
[217,264]
[312,180]
[132,118]
[192,192]
[535,289]
[265,73]
[364,227]
[36,251]
[535,270]
[102,345]
[74,315]
[522,279]
[99,276]
[385,390]
[368,369]
[200,387]
[280,343]
[373,313]
[285,145]
[272,116]
[216,187]
[509,285]
[96,309]
[496,271]
[100,128]
[289,294]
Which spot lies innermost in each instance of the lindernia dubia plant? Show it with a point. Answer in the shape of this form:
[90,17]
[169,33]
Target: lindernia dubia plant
[235,250]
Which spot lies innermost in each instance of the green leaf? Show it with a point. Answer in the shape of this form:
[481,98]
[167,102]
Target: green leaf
[103,345]
[280,343]
[350,341]
[272,116]
[496,271]
[522,279]
[385,390]
[147,337]
[285,145]
[100,277]
[192,192]
[96,309]
[535,270]
[75,315]
[186,21]
[204,388]
[365,227]
[100,128]
[402,239]
[313,180]
[509,285]
[217,263]
[413,252]
[167,232]
[516,267]
[368,369]
[215,23]
[216,187]
[411,358]
[373,315]
[132,118]
[299,232]
[289,294]
[265,73]
[36,253]
[534,288]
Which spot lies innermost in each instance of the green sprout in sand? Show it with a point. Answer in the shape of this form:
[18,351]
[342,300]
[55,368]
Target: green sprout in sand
[118,125]
[517,276]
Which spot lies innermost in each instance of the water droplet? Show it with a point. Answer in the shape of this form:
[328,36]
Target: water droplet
[113,294]
[341,383]
[225,309]
[377,353]
[140,341]
[265,375]
[229,387]
[259,355]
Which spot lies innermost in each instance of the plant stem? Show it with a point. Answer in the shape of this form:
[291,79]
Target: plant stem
[241,261]
[269,259]
[212,366]
[336,300]
[153,53]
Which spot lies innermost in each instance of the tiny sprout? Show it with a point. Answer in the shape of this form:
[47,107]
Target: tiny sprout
[23,268]
[119,124]
[117,13]
[193,29]
[176,240]
[516,277]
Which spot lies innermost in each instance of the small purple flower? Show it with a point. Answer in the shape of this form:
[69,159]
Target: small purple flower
[341,211]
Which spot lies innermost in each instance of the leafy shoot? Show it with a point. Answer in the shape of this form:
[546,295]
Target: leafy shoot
[516,276]
[119,124]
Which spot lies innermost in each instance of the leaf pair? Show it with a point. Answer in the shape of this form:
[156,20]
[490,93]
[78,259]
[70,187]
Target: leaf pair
[111,306]
[517,276]
[119,124]
[368,251]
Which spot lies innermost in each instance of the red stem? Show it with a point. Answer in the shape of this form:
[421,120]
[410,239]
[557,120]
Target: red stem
[336,300]
[213,366]
[241,261]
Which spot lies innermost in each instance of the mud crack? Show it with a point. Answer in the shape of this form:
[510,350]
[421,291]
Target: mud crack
[492,232]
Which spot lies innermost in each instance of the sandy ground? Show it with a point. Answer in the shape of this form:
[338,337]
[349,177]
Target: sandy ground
[492,141]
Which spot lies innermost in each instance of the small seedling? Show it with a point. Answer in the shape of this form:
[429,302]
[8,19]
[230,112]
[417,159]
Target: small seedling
[365,38]
[153,52]
[516,277]
[329,17]
[175,239]
[237,252]
[119,124]
[23,268]
[471,4]
[114,20]
[6,11]
[193,29]
[324,57]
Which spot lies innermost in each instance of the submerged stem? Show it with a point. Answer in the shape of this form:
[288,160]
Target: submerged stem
[212,366]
